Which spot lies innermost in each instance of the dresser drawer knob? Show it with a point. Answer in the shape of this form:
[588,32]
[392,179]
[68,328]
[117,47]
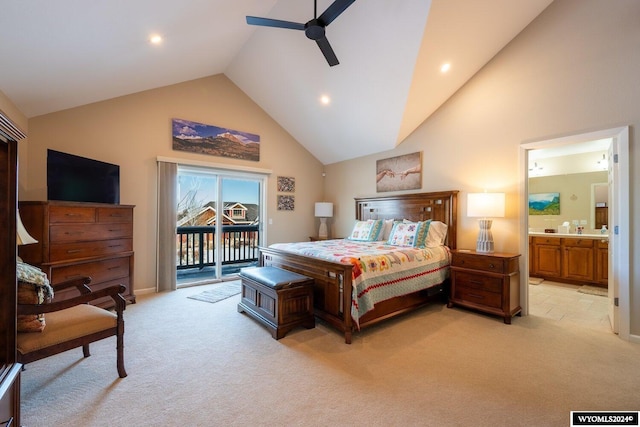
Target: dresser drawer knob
[492,266]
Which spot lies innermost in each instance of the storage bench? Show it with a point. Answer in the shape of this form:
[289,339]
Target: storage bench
[279,299]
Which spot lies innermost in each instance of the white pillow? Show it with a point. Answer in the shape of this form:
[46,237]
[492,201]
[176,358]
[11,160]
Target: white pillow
[386,230]
[366,231]
[437,234]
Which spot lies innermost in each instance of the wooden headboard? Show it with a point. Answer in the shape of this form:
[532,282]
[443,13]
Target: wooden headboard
[438,206]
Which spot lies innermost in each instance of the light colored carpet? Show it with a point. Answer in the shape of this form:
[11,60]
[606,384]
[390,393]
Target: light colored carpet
[218,292]
[593,290]
[194,364]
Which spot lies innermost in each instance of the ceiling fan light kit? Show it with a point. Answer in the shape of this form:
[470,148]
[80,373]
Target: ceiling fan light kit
[313,29]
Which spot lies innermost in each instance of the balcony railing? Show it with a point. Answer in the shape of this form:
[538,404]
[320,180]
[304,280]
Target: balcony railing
[196,245]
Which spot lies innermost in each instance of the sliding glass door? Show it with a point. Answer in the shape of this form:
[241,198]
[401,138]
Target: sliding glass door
[219,223]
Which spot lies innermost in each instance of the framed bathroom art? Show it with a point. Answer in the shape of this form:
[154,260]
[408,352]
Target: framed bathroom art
[544,204]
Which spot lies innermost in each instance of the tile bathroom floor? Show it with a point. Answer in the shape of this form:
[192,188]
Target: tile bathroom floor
[562,302]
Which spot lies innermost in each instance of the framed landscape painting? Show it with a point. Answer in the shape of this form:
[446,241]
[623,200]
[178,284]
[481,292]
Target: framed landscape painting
[544,204]
[214,141]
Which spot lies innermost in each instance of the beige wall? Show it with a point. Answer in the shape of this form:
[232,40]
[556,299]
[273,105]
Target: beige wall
[575,198]
[133,130]
[12,112]
[573,70]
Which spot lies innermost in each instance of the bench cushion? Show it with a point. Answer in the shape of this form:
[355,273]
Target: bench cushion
[276,278]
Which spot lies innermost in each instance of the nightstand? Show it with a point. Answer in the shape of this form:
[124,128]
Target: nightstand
[487,282]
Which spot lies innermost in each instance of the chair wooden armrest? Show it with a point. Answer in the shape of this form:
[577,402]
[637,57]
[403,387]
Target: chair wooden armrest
[73,322]
[81,283]
[113,291]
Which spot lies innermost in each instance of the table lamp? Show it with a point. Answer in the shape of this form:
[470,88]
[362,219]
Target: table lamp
[324,210]
[22,235]
[485,206]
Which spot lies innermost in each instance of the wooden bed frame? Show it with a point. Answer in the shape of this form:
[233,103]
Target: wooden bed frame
[333,288]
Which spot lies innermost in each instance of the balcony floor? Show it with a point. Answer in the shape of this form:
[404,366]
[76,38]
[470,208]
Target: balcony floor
[196,276]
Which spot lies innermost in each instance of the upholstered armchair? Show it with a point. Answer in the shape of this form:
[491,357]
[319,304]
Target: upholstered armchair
[47,327]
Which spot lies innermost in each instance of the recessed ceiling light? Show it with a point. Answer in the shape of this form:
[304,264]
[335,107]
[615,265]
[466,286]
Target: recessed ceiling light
[155,39]
[325,100]
[445,67]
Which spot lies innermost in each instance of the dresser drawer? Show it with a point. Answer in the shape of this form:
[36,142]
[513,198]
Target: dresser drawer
[478,296]
[108,215]
[475,262]
[65,251]
[89,232]
[475,281]
[67,214]
[99,271]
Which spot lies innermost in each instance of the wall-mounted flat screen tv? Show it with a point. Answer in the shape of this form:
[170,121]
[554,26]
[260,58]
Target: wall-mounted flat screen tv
[79,179]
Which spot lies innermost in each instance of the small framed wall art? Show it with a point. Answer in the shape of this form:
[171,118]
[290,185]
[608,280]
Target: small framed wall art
[286,184]
[286,203]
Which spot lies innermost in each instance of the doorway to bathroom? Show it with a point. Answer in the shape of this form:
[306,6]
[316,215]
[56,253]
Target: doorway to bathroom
[617,179]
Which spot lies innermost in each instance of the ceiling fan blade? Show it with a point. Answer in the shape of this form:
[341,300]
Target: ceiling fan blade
[327,51]
[267,22]
[333,11]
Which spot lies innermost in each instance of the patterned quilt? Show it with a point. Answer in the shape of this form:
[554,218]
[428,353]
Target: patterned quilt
[380,271]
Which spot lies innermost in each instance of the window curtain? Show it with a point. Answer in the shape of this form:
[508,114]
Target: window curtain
[167,219]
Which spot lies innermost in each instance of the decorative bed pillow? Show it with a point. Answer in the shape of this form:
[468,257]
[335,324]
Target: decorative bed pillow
[366,231]
[33,288]
[405,234]
[437,234]
[423,231]
[28,293]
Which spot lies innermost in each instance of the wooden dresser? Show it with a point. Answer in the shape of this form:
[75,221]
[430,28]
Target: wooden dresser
[488,282]
[81,239]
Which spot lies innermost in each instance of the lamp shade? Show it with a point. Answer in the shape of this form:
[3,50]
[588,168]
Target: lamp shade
[485,205]
[324,209]
[22,235]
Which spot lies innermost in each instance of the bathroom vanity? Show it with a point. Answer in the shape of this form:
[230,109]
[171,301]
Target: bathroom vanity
[570,258]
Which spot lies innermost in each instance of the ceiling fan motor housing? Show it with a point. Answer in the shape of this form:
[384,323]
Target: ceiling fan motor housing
[314,30]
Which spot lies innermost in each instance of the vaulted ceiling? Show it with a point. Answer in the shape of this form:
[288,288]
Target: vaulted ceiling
[66,53]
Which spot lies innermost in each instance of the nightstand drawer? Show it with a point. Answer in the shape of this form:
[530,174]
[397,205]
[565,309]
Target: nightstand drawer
[477,282]
[478,296]
[475,262]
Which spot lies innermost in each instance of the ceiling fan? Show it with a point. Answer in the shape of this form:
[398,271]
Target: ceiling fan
[314,29]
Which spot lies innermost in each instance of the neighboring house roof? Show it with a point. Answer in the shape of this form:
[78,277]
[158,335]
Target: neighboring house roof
[206,215]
